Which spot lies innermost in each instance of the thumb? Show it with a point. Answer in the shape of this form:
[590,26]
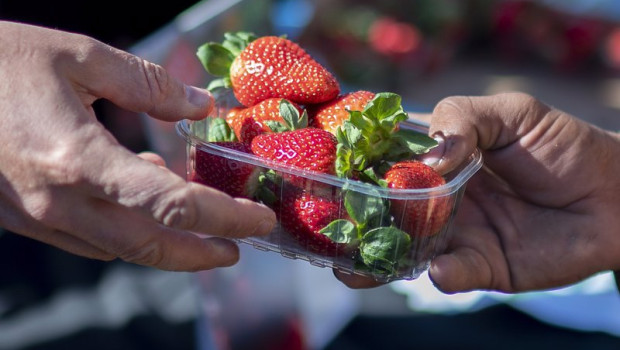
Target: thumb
[486,122]
[138,85]
[463,270]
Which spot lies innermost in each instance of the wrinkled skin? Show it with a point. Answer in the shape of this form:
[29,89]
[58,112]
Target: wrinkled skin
[65,180]
[544,212]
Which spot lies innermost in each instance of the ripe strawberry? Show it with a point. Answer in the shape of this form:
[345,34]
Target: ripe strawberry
[330,115]
[265,67]
[236,178]
[307,148]
[247,122]
[303,214]
[423,217]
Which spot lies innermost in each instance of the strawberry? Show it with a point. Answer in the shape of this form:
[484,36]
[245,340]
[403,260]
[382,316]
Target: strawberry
[236,178]
[266,67]
[247,122]
[306,149]
[330,115]
[419,217]
[304,214]
[372,138]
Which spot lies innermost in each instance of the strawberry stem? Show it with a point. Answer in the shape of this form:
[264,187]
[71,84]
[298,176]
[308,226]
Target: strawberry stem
[217,58]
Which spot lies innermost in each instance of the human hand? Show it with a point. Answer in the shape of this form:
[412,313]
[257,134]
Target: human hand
[543,211]
[65,180]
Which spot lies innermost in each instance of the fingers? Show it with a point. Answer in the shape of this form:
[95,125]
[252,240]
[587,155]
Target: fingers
[105,231]
[462,270]
[135,239]
[153,158]
[138,85]
[487,122]
[226,210]
[202,209]
[356,281]
[164,197]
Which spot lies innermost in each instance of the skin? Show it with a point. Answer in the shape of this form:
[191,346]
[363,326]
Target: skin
[66,181]
[544,210]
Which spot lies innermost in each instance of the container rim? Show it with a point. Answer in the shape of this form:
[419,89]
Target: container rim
[458,178]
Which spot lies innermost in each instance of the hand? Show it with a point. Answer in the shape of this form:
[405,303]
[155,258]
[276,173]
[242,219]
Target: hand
[544,210]
[64,180]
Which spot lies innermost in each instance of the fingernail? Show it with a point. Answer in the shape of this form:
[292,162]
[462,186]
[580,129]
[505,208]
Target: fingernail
[435,155]
[431,270]
[199,97]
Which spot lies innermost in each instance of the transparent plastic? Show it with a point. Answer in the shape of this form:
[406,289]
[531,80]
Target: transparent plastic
[427,235]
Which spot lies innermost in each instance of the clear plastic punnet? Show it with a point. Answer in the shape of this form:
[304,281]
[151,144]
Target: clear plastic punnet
[402,231]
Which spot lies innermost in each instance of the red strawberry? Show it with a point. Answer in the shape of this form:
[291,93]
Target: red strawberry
[266,67]
[423,217]
[238,179]
[247,122]
[308,149]
[303,214]
[330,115]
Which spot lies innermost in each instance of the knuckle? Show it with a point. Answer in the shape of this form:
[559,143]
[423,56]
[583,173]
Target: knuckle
[157,80]
[450,100]
[62,166]
[56,171]
[41,208]
[88,49]
[452,103]
[149,253]
[525,104]
[177,209]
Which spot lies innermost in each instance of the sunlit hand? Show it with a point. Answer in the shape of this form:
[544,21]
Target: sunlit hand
[544,212]
[66,181]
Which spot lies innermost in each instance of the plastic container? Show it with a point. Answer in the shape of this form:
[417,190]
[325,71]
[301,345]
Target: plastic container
[394,247]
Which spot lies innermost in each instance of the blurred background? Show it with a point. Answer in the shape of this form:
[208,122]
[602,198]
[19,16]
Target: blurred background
[564,52]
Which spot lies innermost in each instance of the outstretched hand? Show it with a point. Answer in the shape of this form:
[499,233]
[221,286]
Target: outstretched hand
[65,180]
[543,211]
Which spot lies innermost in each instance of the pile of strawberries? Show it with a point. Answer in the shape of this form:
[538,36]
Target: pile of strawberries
[292,113]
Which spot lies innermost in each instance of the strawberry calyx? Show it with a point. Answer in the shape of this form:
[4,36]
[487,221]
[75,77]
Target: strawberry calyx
[384,248]
[292,119]
[218,130]
[218,57]
[372,137]
[380,244]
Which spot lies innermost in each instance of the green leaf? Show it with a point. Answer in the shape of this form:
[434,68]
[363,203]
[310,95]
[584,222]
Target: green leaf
[384,247]
[343,161]
[341,231]
[220,131]
[363,207]
[383,105]
[390,122]
[223,83]
[371,175]
[276,126]
[416,142]
[238,41]
[215,58]
[291,116]
[357,118]
[267,181]
[342,137]
[352,133]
